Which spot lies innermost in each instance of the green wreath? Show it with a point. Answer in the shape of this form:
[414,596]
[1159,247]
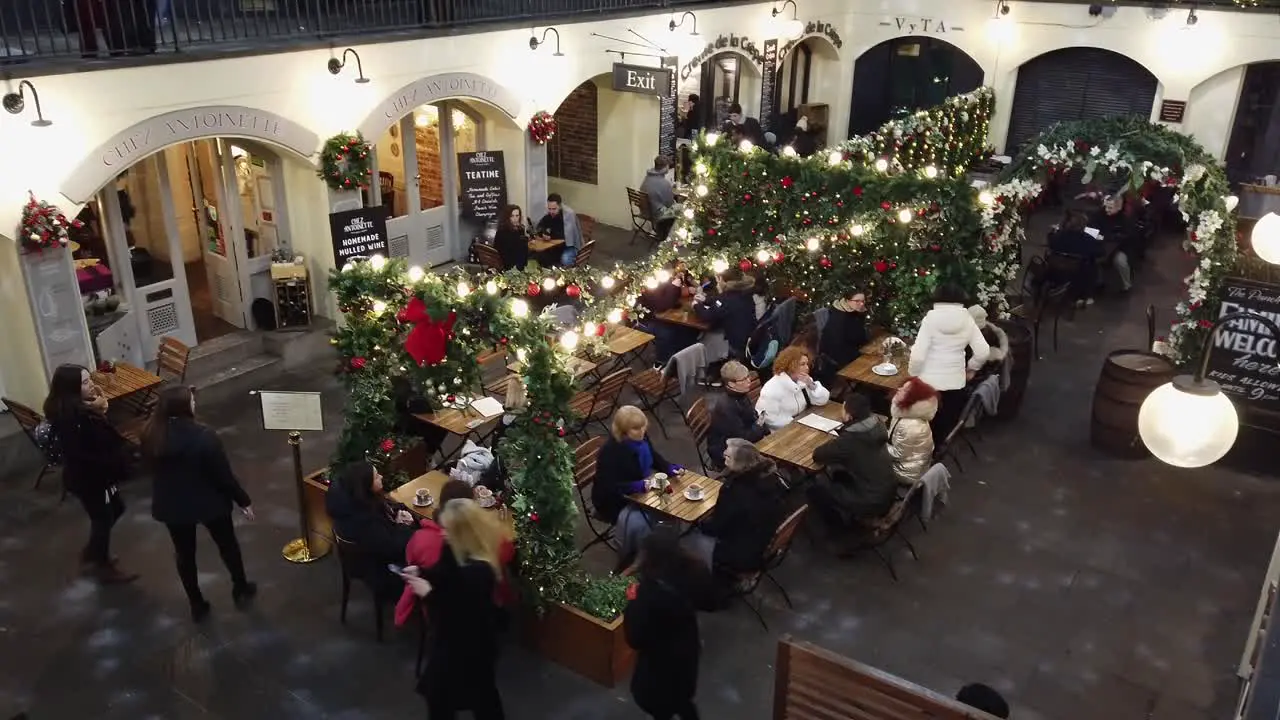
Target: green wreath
[345,162]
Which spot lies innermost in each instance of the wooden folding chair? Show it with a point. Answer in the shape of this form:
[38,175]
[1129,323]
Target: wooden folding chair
[957,434]
[883,529]
[596,405]
[655,387]
[584,254]
[28,419]
[641,221]
[584,474]
[777,551]
[698,418]
[171,360]
[489,257]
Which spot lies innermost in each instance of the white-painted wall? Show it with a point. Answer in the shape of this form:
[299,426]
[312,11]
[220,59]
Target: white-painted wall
[87,108]
[1211,110]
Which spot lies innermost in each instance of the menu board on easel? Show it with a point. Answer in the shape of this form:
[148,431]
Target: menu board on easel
[768,81]
[57,308]
[484,184]
[1243,358]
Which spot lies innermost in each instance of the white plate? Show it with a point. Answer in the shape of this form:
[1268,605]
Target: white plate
[688,495]
[886,369]
[428,503]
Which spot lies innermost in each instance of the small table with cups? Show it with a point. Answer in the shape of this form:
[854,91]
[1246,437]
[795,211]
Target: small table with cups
[432,483]
[465,418]
[680,504]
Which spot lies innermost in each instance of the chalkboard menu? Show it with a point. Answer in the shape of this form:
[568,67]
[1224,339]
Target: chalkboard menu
[57,308]
[1243,357]
[484,184]
[768,82]
[358,233]
[667,108]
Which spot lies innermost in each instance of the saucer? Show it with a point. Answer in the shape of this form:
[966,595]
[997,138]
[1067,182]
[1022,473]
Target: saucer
[885,369]
[688,495]
[428,503]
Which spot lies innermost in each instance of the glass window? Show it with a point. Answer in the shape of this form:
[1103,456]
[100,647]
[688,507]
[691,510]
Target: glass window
[426,145]
[391,180]
[142,212]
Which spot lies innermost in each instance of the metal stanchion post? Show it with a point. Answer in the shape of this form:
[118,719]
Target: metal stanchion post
[299,549]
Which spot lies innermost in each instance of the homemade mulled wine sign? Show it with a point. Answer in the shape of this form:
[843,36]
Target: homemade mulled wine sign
[358,233]
[1243,357]
[484,184]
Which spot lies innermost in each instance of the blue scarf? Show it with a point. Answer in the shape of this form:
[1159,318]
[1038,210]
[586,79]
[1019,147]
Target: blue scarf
[643,453]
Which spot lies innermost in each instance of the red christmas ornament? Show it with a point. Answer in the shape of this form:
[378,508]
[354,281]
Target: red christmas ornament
[560,432]
[358,363]
[747,197]
[632,590]
[885,205]
[711,231]
[744,265]
[779,257]
[787,181]
[533,516]
[600,330]
[450,398]
[858,191]
[532,289]
[881,266]
[503,341]
[825,261]
[573,291]
[935,247]
[387,445]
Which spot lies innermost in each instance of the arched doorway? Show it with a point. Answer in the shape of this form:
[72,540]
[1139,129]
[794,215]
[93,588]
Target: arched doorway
[1077,83]
[419,135]
[805,84]
[182,216]
[723,79]
[905,74]
[1253,150]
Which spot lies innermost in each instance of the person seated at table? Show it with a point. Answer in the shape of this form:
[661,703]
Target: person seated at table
[733,415]
[624,463]
[938,355]
[409,403]
[860,483]
[748,510]
[1070,238]
[362,516]
[844,334]
[424,548]
[910,438]
[997,340]
[512,240]
[1116,227]
[662,195]
[561,223]
[731,310]
[743,127]
[790,391]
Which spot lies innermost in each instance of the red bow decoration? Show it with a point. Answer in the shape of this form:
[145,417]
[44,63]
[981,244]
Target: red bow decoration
[426,341]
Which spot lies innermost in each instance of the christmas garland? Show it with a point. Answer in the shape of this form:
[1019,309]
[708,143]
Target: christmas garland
[542,127]
[44,226]
[346,162]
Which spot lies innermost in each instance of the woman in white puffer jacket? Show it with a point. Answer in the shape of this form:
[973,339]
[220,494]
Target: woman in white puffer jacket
[937,356]
[790,391]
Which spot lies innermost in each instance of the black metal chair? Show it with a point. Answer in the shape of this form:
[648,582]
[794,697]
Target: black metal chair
[355,564]
[584,474]
[777,551]
[881,530]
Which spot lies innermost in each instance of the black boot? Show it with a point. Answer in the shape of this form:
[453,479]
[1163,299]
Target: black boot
[243,593]
[200,610]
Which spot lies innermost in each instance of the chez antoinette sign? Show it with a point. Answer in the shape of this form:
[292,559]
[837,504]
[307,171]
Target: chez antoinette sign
[1243,358]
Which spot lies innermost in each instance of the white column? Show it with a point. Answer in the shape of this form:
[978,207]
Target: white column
[535,178]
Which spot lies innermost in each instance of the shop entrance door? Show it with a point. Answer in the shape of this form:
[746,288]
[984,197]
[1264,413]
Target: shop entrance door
[418,181]
[212,171]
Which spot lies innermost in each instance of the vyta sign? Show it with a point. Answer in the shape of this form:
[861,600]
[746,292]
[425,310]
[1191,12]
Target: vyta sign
[640,79]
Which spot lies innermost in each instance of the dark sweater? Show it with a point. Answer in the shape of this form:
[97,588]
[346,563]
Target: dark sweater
[862,483]
[733,416]
[192,481]
[748,511]
[618,474]
[843,337]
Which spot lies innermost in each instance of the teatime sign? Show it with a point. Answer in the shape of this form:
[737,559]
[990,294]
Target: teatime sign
[1243,357]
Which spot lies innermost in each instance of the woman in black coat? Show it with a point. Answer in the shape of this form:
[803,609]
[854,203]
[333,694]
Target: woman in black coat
[747,513]
[193,484]
[622,466]
[95,459]
[661,624]
[511,240]
[361,516]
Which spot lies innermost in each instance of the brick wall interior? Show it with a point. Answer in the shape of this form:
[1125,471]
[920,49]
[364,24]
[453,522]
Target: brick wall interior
[573,154]
[427,145]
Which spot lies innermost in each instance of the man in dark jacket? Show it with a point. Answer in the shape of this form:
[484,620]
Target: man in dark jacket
[732,311]
[844,335]
[861,482]
[734,415]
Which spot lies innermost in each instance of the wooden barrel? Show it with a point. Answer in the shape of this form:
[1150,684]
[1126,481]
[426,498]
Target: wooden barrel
[1128,376]
[1020,359]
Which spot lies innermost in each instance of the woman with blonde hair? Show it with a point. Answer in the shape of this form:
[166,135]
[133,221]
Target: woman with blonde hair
[791,389]
[461,671]
[625,461]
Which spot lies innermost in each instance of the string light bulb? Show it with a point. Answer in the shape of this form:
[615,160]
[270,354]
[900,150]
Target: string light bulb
[701,191]
[813,244]
[348,267]
[856,229]
[663,276]
[569,340]
[379,307]
[614,316]
[651,282]
[790,152]
[719,265]
[519,308]
[746,146]
[377,262]
[904,215]
[882,165]
[463,289]
[986,198]
[549,284]
[713,138]
[930,172]
[416,273]
[607,282]
[763,255]
[590,328]
[700,168]
[688,213]
[491,287]
[520,354]
[835,158]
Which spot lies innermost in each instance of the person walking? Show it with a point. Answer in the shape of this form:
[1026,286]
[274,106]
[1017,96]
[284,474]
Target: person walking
[193,484]
[661,624]
[938,355]
[461,671]
[95,460]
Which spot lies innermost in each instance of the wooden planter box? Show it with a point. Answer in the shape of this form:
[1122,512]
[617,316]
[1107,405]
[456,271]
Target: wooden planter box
[591,647]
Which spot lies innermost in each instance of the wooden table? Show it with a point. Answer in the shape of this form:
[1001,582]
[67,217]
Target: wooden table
[126,380]
[794,444]
[683,315]
[463,421]
[676,505]
[622,341]
[542,245]
[434,481]
[859,372]
[579,366]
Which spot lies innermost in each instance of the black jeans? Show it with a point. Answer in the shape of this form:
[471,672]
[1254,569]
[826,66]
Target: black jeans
[184,551]
[104,509]
[688,712]
[485,705]
[950,407]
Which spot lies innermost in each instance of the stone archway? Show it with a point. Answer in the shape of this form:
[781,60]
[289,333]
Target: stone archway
[910,72]
[142,139]
[443,86]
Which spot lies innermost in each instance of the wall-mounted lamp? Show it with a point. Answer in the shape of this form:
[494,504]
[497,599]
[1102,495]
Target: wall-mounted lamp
[1002,8]
[336,65]
[534,42]
[788,29]
[1191,17]
[687,14]
[16,102]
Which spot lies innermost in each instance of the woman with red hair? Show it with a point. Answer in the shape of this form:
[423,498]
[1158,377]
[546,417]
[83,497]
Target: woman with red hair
[910,439]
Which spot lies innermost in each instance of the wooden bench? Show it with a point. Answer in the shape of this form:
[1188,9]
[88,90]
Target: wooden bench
[814,684]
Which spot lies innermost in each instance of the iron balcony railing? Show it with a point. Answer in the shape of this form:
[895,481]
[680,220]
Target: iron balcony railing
[35,32]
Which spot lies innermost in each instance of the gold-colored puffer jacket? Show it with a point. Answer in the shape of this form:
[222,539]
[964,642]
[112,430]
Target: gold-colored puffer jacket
[911,440]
